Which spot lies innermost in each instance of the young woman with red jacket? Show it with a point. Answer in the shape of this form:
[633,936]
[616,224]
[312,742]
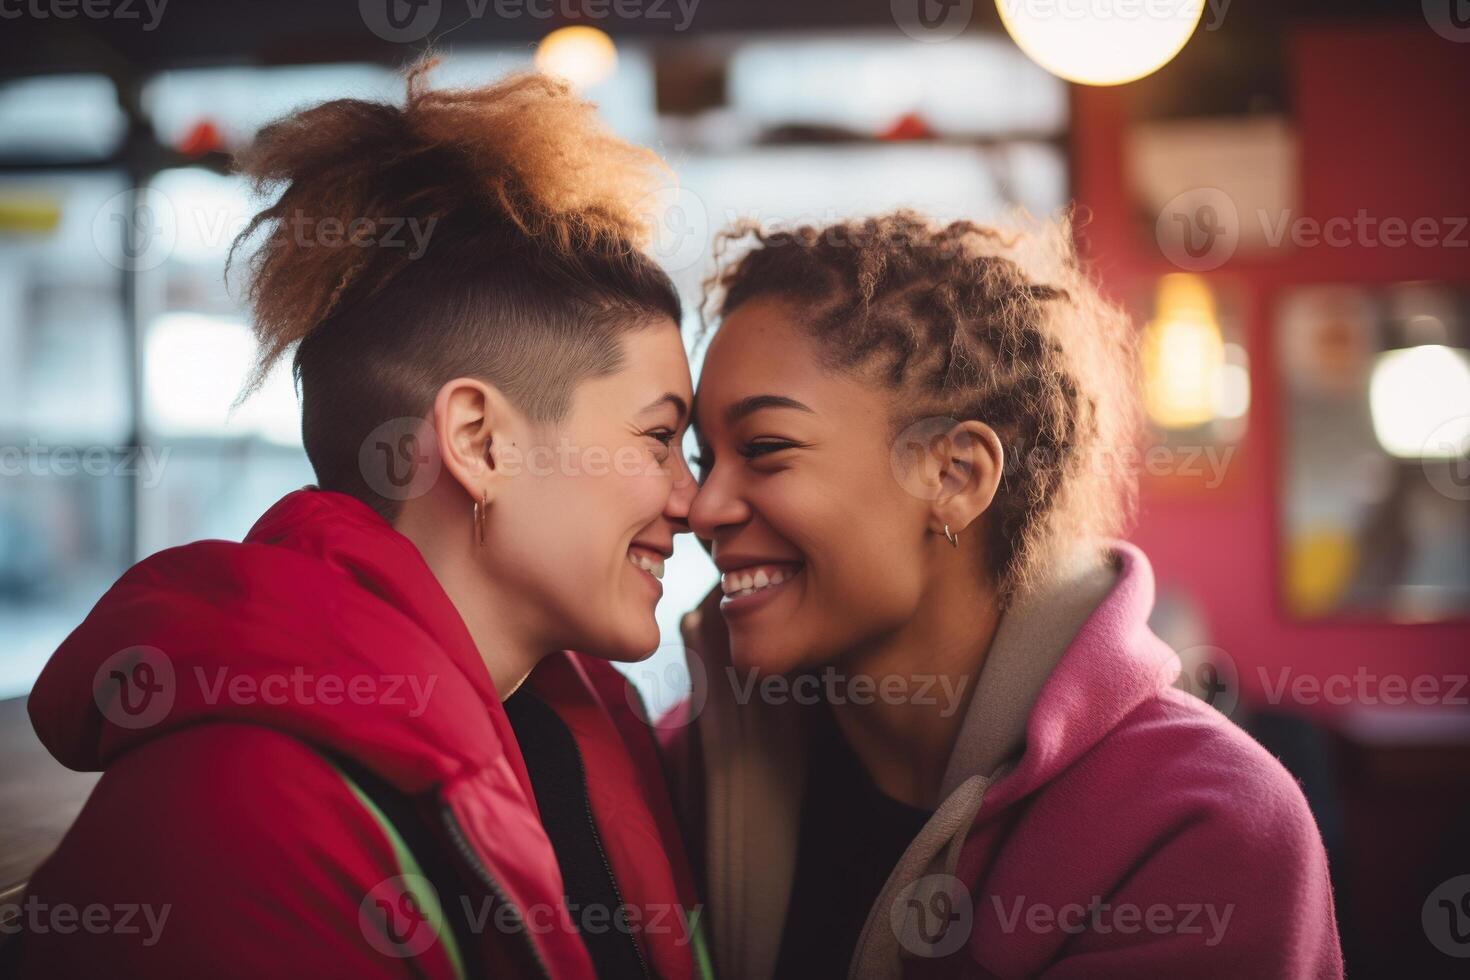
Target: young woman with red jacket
[346,746]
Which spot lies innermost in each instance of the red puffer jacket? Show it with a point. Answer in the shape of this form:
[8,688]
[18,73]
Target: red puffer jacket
[308,773]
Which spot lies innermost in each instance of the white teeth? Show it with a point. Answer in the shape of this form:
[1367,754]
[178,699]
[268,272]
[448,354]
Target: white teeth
[746,582]
[653,566]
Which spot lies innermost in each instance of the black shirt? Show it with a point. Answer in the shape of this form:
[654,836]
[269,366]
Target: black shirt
[850,838]
[559,781]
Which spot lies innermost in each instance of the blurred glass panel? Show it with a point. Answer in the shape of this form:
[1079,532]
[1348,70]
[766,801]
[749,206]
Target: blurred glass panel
[1377,465]
[65,417]
[966,86]
[210,488]
[60,117]
[64,411]
[198,350]
[63,348]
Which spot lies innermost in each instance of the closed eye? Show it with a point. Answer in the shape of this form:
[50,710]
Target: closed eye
[764,447]
[664,436]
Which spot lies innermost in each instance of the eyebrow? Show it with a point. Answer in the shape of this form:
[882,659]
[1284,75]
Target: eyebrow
[754,403]
[669,398]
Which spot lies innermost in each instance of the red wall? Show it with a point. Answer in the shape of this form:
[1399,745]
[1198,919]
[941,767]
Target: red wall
[1381,117]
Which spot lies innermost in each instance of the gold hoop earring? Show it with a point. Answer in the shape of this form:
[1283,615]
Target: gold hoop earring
[482,507]
[953,539]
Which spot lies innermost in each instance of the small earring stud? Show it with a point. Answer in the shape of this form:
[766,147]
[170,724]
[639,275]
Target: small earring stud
[953,538]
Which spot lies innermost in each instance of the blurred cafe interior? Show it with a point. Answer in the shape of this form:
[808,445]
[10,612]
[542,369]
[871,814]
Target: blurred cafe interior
[1276,191]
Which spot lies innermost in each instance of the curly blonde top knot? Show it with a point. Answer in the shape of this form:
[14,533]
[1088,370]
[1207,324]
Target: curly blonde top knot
[526,269]
[524,151]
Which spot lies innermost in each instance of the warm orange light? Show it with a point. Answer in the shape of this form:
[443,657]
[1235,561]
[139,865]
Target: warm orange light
[582,55]
[1184,357]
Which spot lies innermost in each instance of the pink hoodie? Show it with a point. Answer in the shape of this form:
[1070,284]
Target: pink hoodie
[1095,821]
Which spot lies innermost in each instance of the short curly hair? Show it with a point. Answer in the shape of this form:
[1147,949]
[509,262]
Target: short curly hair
[530,272]
[965,321]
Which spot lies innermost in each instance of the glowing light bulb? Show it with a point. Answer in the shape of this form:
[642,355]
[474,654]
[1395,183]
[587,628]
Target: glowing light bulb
[1100,42]
[1184,356]
[584,56]
[1420,401]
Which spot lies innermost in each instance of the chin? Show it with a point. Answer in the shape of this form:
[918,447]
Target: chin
[631,645]
[747,652]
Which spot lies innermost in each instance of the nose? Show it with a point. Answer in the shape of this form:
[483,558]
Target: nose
[681,496]
[717,505]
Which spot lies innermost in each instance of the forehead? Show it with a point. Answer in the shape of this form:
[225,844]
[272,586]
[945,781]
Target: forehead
[656,354]
[762,348]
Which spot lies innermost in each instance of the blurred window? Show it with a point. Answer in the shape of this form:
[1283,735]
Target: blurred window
[60,117]
[65,413]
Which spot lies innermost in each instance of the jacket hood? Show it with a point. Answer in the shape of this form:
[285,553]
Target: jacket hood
[325,623]
[1066,666]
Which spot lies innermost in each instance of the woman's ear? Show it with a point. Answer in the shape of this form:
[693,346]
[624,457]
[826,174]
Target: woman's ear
[970,463]
[473,425]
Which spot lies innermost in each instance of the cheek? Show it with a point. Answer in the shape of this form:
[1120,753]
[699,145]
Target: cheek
[634,491]
[863,573]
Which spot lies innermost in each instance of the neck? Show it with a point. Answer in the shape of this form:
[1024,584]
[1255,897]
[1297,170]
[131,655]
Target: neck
[508,643]
[928,670]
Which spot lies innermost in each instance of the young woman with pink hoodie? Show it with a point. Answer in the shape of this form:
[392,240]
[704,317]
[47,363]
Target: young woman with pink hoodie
[935,735]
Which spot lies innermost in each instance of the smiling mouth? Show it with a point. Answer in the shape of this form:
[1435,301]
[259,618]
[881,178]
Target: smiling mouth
[754,579]
[649,561]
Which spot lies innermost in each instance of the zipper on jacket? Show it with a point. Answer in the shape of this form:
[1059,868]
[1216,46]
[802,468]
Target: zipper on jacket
[607,865]
[473,860]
